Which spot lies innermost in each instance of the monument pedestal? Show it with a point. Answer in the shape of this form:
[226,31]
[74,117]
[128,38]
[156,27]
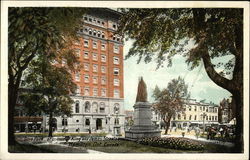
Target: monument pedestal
[142,123]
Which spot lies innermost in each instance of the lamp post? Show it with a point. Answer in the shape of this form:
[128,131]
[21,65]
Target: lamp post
[109,122]
[116,120]
[203,116]
[64,123]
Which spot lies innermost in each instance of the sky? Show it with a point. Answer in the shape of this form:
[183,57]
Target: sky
[200,85]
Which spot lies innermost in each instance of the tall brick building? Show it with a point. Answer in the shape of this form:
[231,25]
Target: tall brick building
[99,96]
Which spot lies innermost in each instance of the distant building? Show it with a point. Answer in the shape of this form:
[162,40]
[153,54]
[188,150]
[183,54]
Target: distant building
[226,111]
[193,115]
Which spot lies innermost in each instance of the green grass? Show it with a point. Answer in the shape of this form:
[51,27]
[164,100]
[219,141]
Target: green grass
[27,148]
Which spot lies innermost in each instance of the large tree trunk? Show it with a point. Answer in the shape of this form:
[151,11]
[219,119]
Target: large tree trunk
[167,122]
[238,97]
[12,98]
[50,124]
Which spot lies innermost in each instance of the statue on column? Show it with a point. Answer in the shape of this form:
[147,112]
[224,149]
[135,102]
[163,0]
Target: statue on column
[141,91]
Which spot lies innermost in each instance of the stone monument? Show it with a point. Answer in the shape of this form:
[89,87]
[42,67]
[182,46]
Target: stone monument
[142,126]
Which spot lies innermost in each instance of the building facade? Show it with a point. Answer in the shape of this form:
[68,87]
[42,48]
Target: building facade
[98,101]
[194,113]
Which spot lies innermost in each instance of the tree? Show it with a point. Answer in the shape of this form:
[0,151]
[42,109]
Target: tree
[170,101]
[31,32]
[50,88]
[216,32]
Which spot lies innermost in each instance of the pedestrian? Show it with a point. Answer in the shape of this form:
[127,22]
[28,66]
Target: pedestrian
[221,132]
[197,132]
[209,133]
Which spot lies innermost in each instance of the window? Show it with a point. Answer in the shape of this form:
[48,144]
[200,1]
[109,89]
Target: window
[116,121]
[99,34]
[95,79]
[116,71]
[190,117]
[184,117]
[103,46]
[94,56]
[116,60]
[103,23]
[116,82]
[77,76]
[102,107]
[103,35]
[209,118]
[78,90]
[94,44]
[77,107]
[95,92]
[206,109]
[86,91]
[190,108]
[103,92]
[86,43]
[116,49]
[77,52]
[95,107]
[103,58]
[179,116]
[64,122]
[87,107]
[212,118]
[86,78]
[85,18]
[86,55]
[206,117]
[77,120]
[114,26]
[103,69]
[116,93]
[90,19]
[215,118]
[116,108]
[203,108]
[195,108]
[95,67]
[90,31]
[94,33]
[103,80]
[215,109]
[200,108]
[87,122]
[86,66]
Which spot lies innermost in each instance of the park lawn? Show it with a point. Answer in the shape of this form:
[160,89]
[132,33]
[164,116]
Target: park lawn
[27,148]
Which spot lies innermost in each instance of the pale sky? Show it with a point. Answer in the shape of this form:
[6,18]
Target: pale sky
[202,86]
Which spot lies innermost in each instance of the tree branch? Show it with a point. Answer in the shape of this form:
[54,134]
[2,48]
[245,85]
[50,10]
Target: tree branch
[212,74]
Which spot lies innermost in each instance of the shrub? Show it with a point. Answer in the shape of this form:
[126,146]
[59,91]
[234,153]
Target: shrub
[172,143]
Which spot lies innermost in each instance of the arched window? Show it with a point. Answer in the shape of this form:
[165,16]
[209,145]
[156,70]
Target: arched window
[95,107]
[102,107]
[87,107]
[116,108]
[64,122]
[77,107]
